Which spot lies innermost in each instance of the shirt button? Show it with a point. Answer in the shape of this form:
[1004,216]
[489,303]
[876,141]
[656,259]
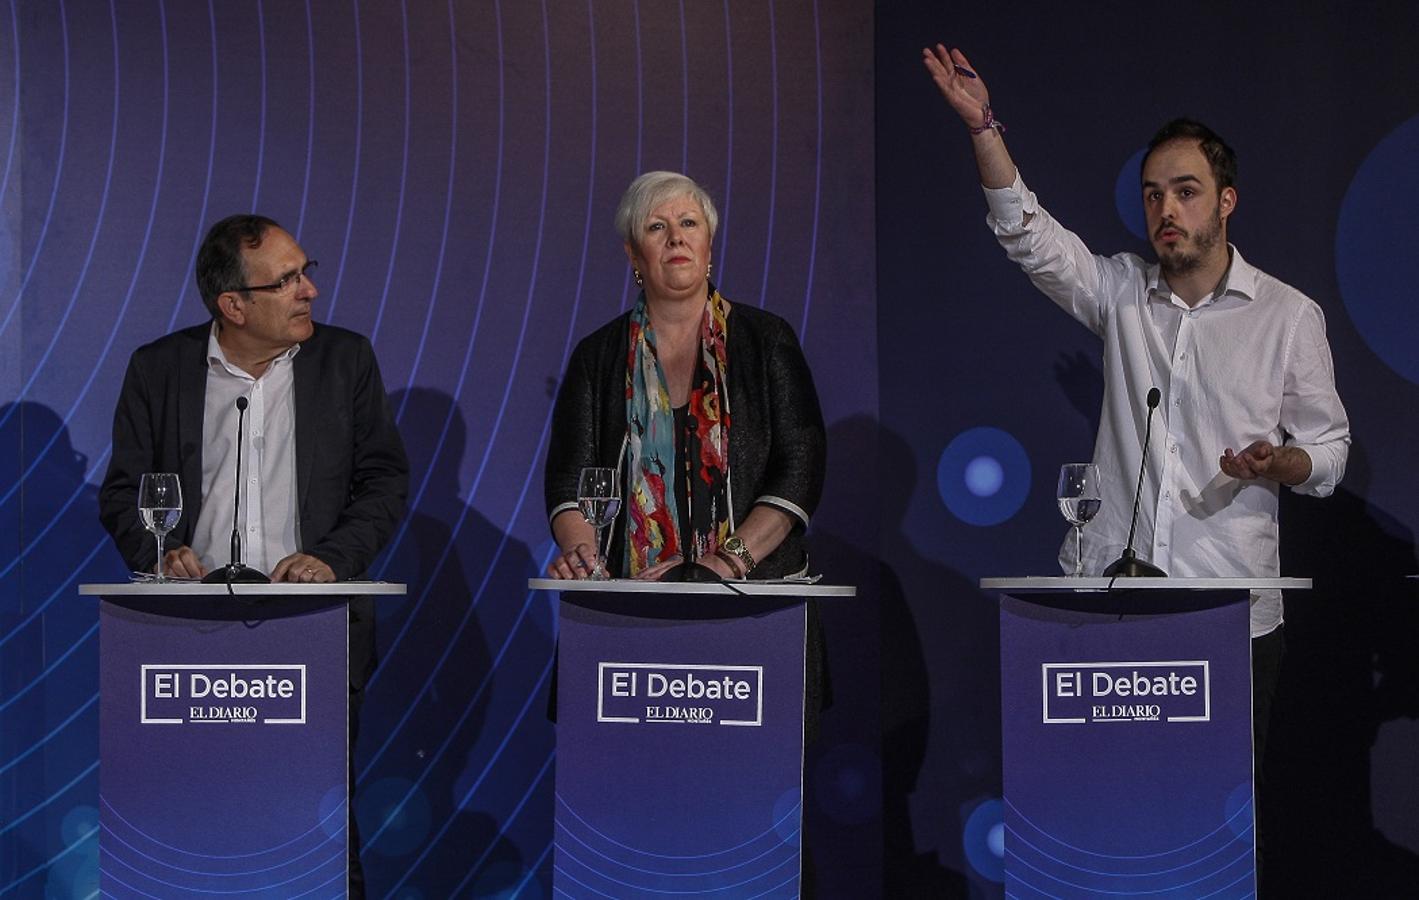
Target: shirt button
[1173,448]
[1182,355]
[1167,495]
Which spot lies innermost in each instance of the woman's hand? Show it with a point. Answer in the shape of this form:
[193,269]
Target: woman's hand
[576,561]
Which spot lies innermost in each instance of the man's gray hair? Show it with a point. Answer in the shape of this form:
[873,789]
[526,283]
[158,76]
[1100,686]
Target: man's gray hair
[649,191]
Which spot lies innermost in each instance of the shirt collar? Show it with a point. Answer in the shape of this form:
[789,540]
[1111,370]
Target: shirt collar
[216,357]
[1239,280]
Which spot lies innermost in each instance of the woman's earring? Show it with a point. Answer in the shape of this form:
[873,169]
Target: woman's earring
[640,282]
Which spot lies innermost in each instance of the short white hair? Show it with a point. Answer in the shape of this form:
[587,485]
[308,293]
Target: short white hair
[651,190]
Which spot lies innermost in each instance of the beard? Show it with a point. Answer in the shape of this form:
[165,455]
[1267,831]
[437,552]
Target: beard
[1184,260]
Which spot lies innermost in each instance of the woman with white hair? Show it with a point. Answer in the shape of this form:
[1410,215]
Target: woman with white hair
[705,409]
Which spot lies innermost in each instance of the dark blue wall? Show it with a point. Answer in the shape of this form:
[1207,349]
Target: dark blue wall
[1321,103]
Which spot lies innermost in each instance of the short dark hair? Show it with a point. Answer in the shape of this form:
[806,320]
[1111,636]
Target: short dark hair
[1222,158]
[220,267]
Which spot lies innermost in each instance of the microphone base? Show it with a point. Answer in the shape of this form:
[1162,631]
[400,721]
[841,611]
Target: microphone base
[235,573]
[691,572]
[1130,566]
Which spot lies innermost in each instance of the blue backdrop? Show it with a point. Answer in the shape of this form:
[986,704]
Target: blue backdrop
[454,167]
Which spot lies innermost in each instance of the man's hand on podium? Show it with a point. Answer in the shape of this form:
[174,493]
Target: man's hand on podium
[302,568]
[183,563]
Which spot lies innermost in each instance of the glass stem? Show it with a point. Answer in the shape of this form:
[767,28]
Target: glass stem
[1078,551]
[159,568]
[599,570]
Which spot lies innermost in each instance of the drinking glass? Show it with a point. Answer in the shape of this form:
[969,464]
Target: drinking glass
[160,507]
[1079,502]
[598,495]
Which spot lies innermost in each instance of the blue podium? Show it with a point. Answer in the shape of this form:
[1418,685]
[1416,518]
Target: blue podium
[680,738]
[1126,735]
[223,741]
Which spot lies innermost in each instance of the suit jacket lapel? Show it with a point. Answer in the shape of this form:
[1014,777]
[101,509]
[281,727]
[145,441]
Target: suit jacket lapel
[192,409]
[306,374]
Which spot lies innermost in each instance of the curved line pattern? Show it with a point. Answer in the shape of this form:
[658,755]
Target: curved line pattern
[1136,891]
[336,811]
[60,158]
[1015,835]
[507,336]
[771,831]
[817,174]
[773,156]
[359,95]
[261,122]
[1244,809]
[403,182]
[562,853]
[664,874]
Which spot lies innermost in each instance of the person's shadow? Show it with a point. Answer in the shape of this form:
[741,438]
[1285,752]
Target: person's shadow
[1351,666]
[939,722]
[50,543]
[460,657]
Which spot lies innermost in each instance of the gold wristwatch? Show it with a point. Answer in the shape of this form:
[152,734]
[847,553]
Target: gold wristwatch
[734,546]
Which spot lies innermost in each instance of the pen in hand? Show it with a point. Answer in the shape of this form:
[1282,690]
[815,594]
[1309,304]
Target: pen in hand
[962,70]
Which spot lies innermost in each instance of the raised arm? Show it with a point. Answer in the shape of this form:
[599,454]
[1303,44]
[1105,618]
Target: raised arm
[965,91]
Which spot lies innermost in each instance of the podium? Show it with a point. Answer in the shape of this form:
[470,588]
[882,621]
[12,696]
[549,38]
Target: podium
[1126,735]
[223,739]
[680,737]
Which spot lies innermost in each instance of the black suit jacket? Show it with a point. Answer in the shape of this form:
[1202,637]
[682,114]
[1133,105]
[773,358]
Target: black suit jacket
[351,471]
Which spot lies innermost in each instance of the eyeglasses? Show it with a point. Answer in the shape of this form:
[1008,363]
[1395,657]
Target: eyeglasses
[294,278]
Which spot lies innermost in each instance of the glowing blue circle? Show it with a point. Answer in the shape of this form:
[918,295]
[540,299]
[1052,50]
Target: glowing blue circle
[1373,245]
[995,840]
[1128,195]
[78,823]
[848,784]
[787,816]
[502,880]
[983,476]
[395,815]
[983,839]
[332,805]
[1238,809]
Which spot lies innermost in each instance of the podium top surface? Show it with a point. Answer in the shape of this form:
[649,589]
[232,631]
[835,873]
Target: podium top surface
[189,588]
[1056,583]
[728,588]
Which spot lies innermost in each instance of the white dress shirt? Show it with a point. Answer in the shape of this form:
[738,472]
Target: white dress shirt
[268,461]
[1249,362]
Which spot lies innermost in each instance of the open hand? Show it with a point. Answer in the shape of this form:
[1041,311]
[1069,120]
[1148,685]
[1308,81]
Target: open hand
[965,92]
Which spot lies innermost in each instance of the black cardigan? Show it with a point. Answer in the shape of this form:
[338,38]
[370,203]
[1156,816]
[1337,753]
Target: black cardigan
[777,442]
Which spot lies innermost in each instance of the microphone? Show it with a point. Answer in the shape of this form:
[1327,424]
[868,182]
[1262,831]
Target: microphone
[235,572]
[1129,565]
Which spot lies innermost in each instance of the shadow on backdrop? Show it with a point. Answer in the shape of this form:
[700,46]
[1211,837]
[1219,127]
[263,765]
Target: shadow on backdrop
[940,714]
[50,543]
[455,781]
[1350,677]
[843,768]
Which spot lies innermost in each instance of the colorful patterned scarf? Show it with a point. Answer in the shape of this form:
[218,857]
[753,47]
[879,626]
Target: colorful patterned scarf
[652,530]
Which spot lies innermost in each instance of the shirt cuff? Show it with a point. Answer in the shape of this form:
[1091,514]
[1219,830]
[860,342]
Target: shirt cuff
[1324,477]
[1009,205]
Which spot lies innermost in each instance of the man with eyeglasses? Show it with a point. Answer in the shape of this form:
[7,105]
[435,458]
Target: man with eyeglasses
[325,477]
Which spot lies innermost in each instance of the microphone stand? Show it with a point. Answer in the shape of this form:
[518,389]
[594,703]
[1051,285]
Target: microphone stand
[1129,565]
[236,572]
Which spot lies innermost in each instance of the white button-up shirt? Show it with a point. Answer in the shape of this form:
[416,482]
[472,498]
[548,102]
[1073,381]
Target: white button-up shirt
[267,519]
[1249,362]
